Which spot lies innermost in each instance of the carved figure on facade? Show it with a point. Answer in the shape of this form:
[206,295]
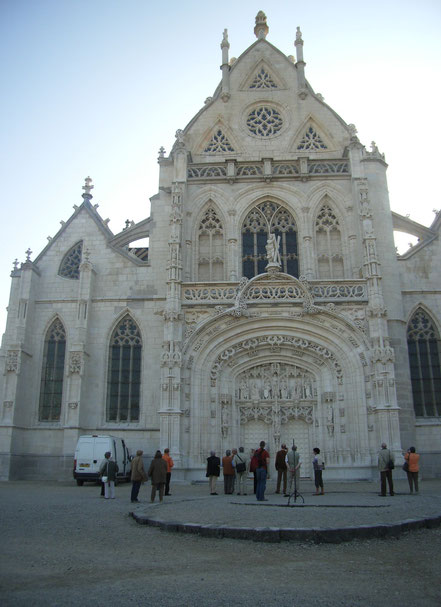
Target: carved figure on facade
[76,362]
[13,360]
[272,250]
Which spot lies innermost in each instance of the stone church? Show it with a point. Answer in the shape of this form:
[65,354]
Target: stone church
[270,303]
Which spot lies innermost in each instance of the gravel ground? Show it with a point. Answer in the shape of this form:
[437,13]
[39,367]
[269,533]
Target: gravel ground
[64,545]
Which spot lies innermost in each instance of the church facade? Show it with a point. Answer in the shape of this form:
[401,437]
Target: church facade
[270,303]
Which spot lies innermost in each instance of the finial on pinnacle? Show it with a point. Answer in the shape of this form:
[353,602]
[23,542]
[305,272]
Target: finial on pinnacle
[225,39]
[28,254]
[15,263]
[261,28]
[299,39]
[161,152]
[87,187]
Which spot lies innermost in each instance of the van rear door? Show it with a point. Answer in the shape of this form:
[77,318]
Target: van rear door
[84,455]
[101,445]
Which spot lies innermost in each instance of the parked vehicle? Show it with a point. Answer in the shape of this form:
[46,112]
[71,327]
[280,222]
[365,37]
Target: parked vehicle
[89,454]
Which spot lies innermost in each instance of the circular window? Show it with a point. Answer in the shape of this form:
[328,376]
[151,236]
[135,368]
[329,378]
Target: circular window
[264,121]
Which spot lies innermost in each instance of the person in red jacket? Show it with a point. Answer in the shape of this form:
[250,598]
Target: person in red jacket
[170,465]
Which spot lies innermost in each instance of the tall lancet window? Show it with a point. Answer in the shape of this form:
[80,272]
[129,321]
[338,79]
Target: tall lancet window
[264,219]
[211,247]
[328,243]
[423,344]
[124,376]
[52,374]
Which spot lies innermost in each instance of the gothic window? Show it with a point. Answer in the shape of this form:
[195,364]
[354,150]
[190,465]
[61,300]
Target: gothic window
[266,218]
[70,265]
[263,81]
[264,121]
[211,247]
[328,243]
[311,141]
[423,344]
[124,376]
[219,143]
[51,385]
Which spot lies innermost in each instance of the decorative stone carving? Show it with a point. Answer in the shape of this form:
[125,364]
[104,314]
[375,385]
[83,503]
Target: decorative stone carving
[276,381]
[76,363]
[13,361]
[73,406]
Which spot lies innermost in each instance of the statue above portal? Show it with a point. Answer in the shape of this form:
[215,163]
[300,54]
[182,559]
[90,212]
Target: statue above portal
[272,250]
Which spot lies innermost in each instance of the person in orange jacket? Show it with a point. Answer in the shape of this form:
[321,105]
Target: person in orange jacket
[170,465]
[412,458]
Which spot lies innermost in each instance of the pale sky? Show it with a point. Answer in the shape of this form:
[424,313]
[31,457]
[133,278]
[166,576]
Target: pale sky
[96,87]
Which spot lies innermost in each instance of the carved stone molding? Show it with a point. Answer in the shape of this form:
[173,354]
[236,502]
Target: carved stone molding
[76,363]
[277,340]
[13,361]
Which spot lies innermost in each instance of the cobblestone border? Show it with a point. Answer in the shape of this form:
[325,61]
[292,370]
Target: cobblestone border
[276,534]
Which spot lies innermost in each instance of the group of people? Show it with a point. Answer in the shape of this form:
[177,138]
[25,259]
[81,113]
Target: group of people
[237,465]
[386,463]
[159,472]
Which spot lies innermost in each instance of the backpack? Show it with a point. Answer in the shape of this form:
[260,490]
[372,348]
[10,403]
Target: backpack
[260,458]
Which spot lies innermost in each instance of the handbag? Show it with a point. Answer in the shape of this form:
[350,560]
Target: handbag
[104,479]
[406,464]
[241,466]
[391,465]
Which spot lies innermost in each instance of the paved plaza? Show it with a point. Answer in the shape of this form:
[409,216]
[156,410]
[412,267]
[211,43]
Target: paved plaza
[64,546]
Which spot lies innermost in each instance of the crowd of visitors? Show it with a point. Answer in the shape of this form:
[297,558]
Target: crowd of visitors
[238,466]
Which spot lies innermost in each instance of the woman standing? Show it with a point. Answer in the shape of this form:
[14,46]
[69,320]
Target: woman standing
[108,470]
[318,468]
[412,458]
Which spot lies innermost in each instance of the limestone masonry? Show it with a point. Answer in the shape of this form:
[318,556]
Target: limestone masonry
[270,303]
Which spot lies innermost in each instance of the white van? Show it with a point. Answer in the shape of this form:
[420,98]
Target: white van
[89,454]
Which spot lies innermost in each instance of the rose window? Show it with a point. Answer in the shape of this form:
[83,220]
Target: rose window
[264,122]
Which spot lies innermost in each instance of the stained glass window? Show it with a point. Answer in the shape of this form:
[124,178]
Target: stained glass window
[124,373]
[70,265]
[423,344]
[266,218]
[51,385]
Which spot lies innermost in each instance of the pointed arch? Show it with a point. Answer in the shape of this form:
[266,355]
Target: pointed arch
[424,349]
[268,217]
[52,372]
[262,77]
[124,372]
[328,241]
[311,137]
[210,245]
[218,139]
[70,264]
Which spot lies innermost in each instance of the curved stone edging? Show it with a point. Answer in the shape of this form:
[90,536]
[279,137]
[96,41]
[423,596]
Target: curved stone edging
[276,534]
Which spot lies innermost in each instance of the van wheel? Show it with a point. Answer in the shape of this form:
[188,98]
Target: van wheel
[80,483]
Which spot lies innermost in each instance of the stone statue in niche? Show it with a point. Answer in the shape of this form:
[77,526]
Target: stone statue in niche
[272,250]
[308,389]
[267,390]
[284,390]
[254,391]
[244,390]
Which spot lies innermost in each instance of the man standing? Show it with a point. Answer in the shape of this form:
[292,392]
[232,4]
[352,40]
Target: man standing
[170,465]
[213,471]
[386,462]
[240,462]
[261,472]
[294,464]
[138,475]
[227,465]
[281,468]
